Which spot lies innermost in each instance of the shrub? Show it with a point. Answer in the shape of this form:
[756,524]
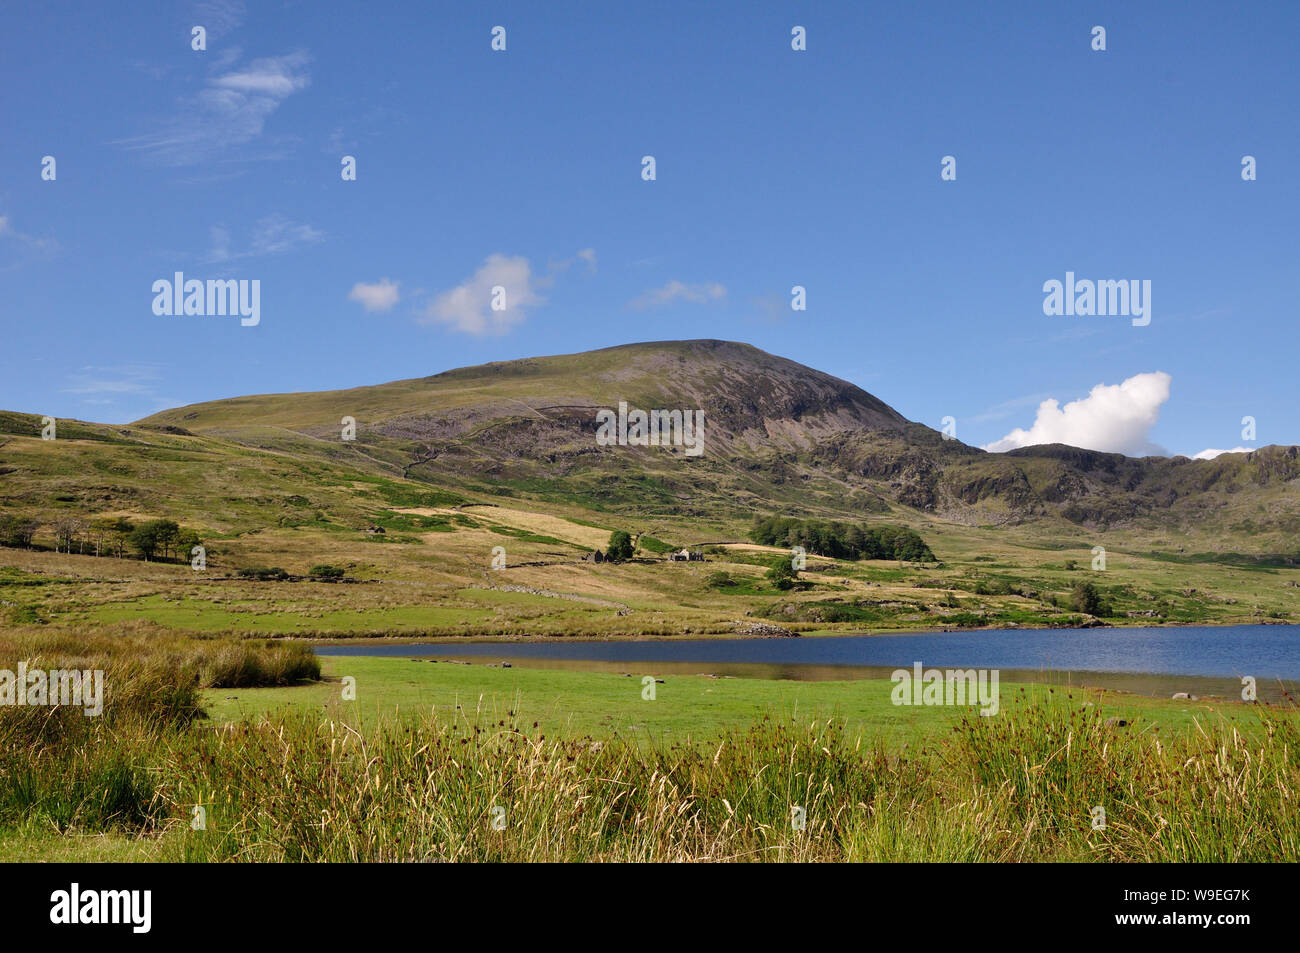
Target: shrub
[782,574]
[263,574]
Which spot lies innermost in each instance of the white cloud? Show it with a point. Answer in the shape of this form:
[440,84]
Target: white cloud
[468,306]
[265,77]
[1116,418]
[380,296]
[676,290]
[1211,454]
[230,110]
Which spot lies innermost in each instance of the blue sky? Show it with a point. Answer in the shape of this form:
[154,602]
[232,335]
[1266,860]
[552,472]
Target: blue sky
[774,168]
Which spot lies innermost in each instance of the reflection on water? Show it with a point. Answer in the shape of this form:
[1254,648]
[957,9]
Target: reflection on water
[1154,661]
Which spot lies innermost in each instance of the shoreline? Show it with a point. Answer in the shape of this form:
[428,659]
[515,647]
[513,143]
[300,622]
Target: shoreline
[736,636]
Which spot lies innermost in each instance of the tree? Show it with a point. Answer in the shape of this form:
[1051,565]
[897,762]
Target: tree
[619,548]
[783,574]
[166,532]
[67,530]
[18,530]
[144,540]
[101,531]
[119,533]
[186,540]
[325,573]
[1086,598]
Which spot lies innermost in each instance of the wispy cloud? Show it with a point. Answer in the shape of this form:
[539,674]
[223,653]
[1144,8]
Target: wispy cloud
[110,385]
[1116,418]
[272,235]
[1008,407]
[275,234]
[219,17]
[587,255]
[678,291]
[380,296]
[231,109]
[43,246]
[771,308]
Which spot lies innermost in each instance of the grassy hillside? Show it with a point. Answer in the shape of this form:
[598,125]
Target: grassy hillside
[503,455]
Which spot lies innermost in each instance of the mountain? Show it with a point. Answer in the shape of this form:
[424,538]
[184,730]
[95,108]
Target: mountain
[779,437]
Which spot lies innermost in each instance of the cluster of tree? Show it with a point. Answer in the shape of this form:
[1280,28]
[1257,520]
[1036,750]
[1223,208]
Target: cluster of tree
[104,536]
[326,573]
[17,530]
[1086,597]
[842,540]
[162,537]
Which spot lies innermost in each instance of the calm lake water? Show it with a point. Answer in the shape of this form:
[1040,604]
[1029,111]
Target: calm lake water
[1199,659]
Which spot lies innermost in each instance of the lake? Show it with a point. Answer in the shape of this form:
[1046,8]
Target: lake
[1205,660]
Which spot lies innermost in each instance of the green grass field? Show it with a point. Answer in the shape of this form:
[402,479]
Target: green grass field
[693,707]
